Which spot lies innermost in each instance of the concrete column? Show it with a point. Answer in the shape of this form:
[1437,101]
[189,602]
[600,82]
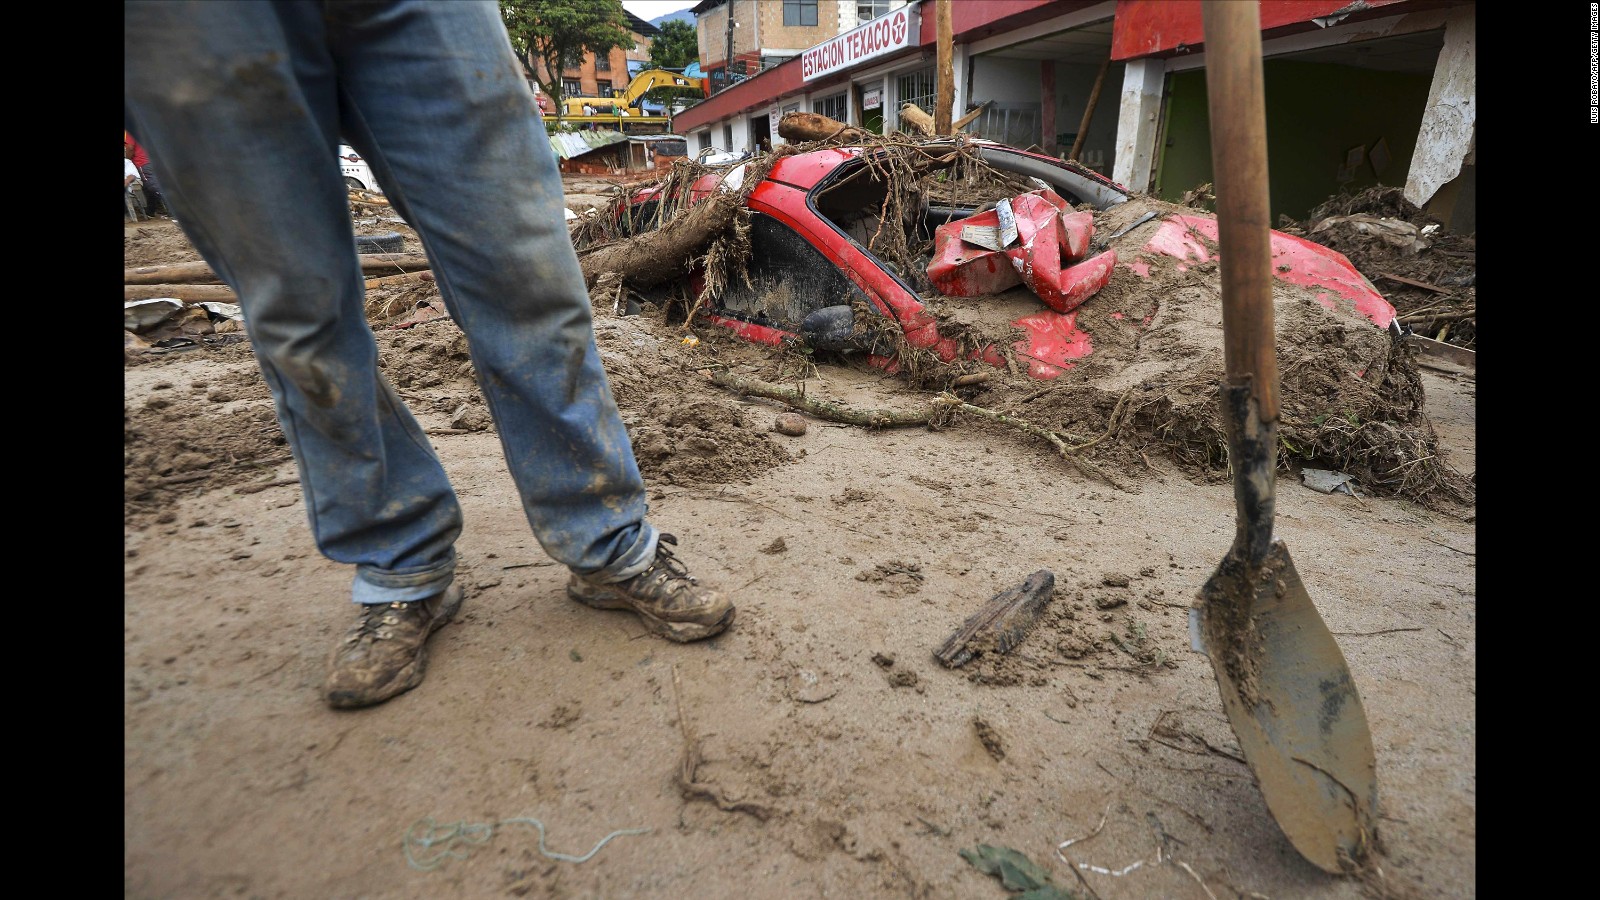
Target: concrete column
[1137,121]
[962,67]
[1450,119]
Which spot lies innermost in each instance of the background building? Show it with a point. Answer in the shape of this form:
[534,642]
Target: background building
[1379,92]
[767,33]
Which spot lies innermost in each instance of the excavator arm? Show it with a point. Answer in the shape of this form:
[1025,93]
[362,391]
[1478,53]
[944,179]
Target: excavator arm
[650,79]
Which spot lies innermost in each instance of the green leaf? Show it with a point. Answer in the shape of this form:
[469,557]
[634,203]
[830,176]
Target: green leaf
[1016,871]
[1020,874]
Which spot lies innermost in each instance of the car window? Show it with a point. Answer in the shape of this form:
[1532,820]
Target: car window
[789,278]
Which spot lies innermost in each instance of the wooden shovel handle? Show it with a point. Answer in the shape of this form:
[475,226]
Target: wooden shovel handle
[1239,166]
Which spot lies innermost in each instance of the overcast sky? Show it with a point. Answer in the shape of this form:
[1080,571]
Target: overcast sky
[649,9]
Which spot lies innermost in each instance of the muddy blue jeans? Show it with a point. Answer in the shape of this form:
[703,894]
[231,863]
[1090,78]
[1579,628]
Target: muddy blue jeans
[242,106]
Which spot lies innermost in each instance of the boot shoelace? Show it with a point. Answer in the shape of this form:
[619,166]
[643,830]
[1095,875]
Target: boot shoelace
[669,567]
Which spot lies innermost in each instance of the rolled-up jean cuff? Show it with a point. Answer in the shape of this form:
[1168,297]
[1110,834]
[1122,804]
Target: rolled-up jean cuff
[636,560]
[373,586]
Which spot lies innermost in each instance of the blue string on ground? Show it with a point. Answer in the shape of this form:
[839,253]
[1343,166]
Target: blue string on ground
[454,839]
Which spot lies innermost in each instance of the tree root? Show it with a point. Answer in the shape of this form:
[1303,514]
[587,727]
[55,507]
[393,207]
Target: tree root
[935,414]
[835,412]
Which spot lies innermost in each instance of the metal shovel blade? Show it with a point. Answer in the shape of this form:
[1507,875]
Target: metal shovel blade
[1288,694]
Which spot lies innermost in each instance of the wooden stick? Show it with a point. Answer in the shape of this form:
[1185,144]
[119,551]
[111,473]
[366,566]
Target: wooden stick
[872,418]
[1088,111]
[200,273]
[882,418]
[970,117]
[1440,317]
[1414,283]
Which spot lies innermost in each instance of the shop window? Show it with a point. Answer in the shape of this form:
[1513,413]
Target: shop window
[915,87]
[834,107]
[867,10]
[1017,124]
[800,12]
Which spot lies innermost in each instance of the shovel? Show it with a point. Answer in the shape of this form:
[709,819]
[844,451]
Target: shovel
[1285,685]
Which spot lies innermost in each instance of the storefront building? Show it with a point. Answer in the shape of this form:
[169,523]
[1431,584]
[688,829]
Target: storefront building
[1381,92]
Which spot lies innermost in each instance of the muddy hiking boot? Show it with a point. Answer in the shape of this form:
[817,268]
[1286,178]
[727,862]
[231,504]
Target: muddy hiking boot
[385,652]
[670,602]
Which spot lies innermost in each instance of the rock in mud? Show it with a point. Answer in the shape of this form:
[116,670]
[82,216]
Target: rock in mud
[792,424]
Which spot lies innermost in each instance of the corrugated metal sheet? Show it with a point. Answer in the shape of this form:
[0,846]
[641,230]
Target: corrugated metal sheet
[573,144]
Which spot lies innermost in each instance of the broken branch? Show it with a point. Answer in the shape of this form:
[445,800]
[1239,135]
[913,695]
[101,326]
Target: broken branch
[1439,317]
[800,127]
[872,418]
[936,411]
[665,254]
[1414,283]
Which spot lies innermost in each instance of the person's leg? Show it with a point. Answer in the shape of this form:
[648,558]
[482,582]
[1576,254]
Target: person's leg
[152,191]
[240,114]
[431,94]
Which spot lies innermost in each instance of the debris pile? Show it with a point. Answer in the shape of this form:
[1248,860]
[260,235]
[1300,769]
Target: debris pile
[1428,273]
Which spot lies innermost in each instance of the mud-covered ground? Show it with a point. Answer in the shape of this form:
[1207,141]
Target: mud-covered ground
[817,748]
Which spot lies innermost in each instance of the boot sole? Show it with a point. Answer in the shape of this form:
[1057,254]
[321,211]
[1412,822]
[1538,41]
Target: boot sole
[410,676]
[682,632]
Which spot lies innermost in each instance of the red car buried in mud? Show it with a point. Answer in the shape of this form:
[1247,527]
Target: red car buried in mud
[814,216]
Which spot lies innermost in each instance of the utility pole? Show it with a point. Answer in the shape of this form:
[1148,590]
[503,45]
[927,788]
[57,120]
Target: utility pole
[946,78]
[727,64]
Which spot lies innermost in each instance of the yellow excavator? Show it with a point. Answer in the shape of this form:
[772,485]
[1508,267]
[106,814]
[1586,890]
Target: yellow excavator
[627,107]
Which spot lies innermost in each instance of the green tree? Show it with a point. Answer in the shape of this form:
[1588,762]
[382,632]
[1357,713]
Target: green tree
[675,47]
[550,35]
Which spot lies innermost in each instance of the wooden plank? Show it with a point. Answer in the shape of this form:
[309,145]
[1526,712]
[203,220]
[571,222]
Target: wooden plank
[1001,624]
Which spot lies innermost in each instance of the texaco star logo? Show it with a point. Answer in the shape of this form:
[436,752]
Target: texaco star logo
[898,27]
